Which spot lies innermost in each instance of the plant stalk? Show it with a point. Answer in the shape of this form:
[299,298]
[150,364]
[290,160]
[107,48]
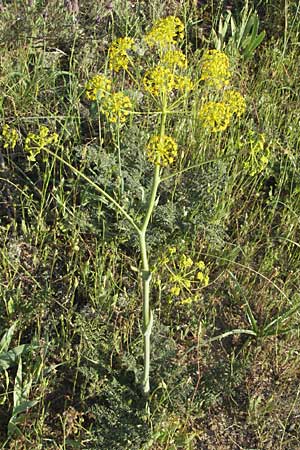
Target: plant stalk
[146,279]
[146,273]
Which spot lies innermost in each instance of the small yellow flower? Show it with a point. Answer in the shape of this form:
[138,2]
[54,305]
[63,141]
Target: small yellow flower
[202,273]
[200,265]
[116,107]
[259,153]
[118,53]
[215,116]
[165,32]
[179,283]
[235,101]
[186,262]
[174,58]
[189,300]
[183,83]
[97,87]
[162,150]
[175,290]
[9,137]
[215,69]
[203,278]
[35,143]
[159,80]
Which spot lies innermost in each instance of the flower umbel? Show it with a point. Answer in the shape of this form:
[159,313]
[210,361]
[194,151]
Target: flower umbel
[215,116]
[34,143]
[235,102]
[118,53]
[9,137]
[186,274]
[183,83]
[259,153]
[159,80]
[215,69]
[174,58]
[165,32]
[97,87]
[116,107]
[162,150]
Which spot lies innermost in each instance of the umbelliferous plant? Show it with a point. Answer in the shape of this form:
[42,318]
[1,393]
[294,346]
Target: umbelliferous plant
[156,70]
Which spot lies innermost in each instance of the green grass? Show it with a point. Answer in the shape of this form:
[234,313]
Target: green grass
[224,368]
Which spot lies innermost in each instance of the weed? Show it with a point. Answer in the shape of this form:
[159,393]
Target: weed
[225,346]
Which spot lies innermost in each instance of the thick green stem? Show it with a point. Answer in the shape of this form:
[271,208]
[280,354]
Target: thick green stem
[146,279]
[147,323]
[146,273]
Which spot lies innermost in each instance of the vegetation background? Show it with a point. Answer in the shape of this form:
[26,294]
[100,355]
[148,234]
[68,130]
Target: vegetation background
[70,309]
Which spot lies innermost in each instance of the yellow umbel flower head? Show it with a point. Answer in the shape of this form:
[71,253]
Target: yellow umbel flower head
[118,53]
[116,107]
[215,69]
[215,116]
[97,87]
[183,83]
[159,80]
[259,153]
[35,143]
[9,137]
[235,101]
[162,150]
[174,58]
[185,262]
[165,32]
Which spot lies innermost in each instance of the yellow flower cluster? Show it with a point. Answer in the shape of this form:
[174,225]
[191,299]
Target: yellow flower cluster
[174,58]
[162,150]
[179,283]
[118,53]
[202,274]
[35,143]
[97,87]
[183,275]
[215,116]
[235,102]
[215,69]
[184,83]
[259,153]
[116,107]
[186,272]
[9,137]
[165,32]
[159,80]
[162,80]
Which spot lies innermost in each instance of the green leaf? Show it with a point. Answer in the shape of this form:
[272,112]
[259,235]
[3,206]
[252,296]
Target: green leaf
[17,418]
[254,44]
[10,358]
[18,388]
[7,337]
[24,406]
